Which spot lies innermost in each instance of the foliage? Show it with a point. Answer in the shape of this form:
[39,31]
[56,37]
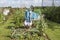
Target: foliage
[29,34]
[1,17]
[18,18]
[52,13]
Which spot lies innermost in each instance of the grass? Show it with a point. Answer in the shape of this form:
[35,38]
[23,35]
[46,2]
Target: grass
[54,33]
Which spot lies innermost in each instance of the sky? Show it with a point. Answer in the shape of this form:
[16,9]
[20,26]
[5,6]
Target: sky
[27,3]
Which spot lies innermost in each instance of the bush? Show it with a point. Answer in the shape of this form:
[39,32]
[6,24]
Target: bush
[52,13]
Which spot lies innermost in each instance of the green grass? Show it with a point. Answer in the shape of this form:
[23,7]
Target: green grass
[54,32]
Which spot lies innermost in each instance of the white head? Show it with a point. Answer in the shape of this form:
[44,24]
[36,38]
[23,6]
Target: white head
[6,11]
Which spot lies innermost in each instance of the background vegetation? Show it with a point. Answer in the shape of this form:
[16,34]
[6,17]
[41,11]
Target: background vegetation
[15,22]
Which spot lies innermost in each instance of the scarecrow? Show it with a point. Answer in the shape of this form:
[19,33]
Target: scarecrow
[5,13]
[30,16]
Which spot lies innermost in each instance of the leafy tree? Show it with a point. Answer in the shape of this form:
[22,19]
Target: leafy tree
[52,13]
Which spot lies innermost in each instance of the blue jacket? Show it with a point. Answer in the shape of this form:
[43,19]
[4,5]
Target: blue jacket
[29,16]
